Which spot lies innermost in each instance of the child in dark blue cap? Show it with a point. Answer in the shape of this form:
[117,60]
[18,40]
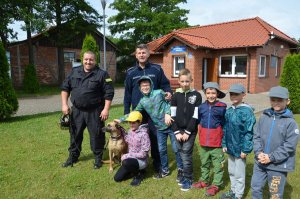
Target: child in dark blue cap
[275,142]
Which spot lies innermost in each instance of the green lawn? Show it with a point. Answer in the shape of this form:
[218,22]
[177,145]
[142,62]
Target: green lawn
[33,148]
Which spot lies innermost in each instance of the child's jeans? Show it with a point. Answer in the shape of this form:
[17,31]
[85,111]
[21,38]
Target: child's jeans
[186,153]
[276,182]
[162,138]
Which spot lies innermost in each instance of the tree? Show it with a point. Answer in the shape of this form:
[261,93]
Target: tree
[73,13]
[31,12]
[290,79]
[141,21]
[8,98]
[31,83]
[144,20]
[89,44]
[7,14]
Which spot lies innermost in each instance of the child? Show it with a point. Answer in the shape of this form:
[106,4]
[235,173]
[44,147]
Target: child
[275,140]
[135,161]
[237,140]
[211,119]
[184,112]
[154,103]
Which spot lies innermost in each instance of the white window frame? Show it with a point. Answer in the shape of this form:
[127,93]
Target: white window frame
[265,66]
[176,72]
[276,66]
[233,66]
[71,59]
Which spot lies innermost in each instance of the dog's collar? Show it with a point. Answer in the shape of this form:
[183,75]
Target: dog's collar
[116,137]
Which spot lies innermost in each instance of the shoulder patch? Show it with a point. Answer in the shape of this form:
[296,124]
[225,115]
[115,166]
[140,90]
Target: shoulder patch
[108,80]
[297,131]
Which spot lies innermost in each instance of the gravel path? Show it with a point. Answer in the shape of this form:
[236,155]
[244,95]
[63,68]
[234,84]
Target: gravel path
[46,104]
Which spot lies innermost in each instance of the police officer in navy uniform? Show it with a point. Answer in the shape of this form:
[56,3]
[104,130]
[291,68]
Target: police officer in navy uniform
[133,94]
[91,93]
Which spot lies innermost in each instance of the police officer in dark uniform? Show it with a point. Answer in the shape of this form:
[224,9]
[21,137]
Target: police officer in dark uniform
[91,93]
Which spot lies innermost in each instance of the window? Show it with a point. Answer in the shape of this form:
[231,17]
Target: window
[8,60]
[233,66]
[274,64]
[262,66]
[69,56]
[179,63]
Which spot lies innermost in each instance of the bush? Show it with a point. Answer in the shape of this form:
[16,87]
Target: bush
[89,44]
[8,99]
[290,79]
[31,83]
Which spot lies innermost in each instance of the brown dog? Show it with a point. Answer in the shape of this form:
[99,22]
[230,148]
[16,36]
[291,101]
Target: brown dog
[116,145]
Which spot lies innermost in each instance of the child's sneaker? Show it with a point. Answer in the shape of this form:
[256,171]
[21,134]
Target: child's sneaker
[212,190]
[179,175]
[199,185]
[186,185]
[181,181]
[228,195]
[160,175]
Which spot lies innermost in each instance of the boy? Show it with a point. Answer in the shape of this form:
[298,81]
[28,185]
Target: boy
[211,119]
[237,140]
[275,140]
[184,112]
[154,103]
[135,161]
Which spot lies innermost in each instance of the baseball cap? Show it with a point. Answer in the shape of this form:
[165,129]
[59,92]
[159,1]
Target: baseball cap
[237,88]
[279,91]
[214,85]
[134,116]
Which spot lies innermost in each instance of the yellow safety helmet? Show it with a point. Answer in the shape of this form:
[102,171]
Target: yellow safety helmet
[134,116]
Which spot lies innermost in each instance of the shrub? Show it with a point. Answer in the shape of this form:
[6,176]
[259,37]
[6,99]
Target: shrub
[30,83]
[8,99]
[290,79]
[89,44]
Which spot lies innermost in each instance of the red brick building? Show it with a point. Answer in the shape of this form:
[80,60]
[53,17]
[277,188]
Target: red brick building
[249,51]
[45,57]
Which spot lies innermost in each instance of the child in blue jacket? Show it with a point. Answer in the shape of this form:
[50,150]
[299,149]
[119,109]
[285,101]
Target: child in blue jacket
[275,142]
[237,139]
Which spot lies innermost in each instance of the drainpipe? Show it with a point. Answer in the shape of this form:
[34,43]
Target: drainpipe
[248,71]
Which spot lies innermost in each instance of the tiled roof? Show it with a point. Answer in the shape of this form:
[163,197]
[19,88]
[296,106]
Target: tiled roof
[234,34]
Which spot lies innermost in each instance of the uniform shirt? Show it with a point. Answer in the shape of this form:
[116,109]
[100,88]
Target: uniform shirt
[88,90]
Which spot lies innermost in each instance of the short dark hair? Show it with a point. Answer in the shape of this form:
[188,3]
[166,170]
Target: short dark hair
[144,80]
[142,46]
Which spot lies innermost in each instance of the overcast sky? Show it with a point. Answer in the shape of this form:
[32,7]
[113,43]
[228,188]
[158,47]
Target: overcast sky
[282,14]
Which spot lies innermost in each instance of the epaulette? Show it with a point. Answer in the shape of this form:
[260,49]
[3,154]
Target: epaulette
[129,70]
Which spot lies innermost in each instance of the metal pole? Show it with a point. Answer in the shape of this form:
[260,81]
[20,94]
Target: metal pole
[103,2]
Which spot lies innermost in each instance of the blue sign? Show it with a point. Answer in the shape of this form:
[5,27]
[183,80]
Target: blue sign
[178,49]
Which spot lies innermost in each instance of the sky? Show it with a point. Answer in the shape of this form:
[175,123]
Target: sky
[282,14]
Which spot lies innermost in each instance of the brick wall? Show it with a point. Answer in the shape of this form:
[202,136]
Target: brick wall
[252,82]
[45,59]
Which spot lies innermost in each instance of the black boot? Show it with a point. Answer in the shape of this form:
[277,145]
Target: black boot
[98,163]
[137,179]
[70,161]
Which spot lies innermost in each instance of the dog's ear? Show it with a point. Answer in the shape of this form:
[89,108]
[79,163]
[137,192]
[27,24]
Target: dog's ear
[118,126]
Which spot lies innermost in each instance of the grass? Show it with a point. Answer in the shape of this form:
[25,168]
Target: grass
[44,91]
[33,148]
